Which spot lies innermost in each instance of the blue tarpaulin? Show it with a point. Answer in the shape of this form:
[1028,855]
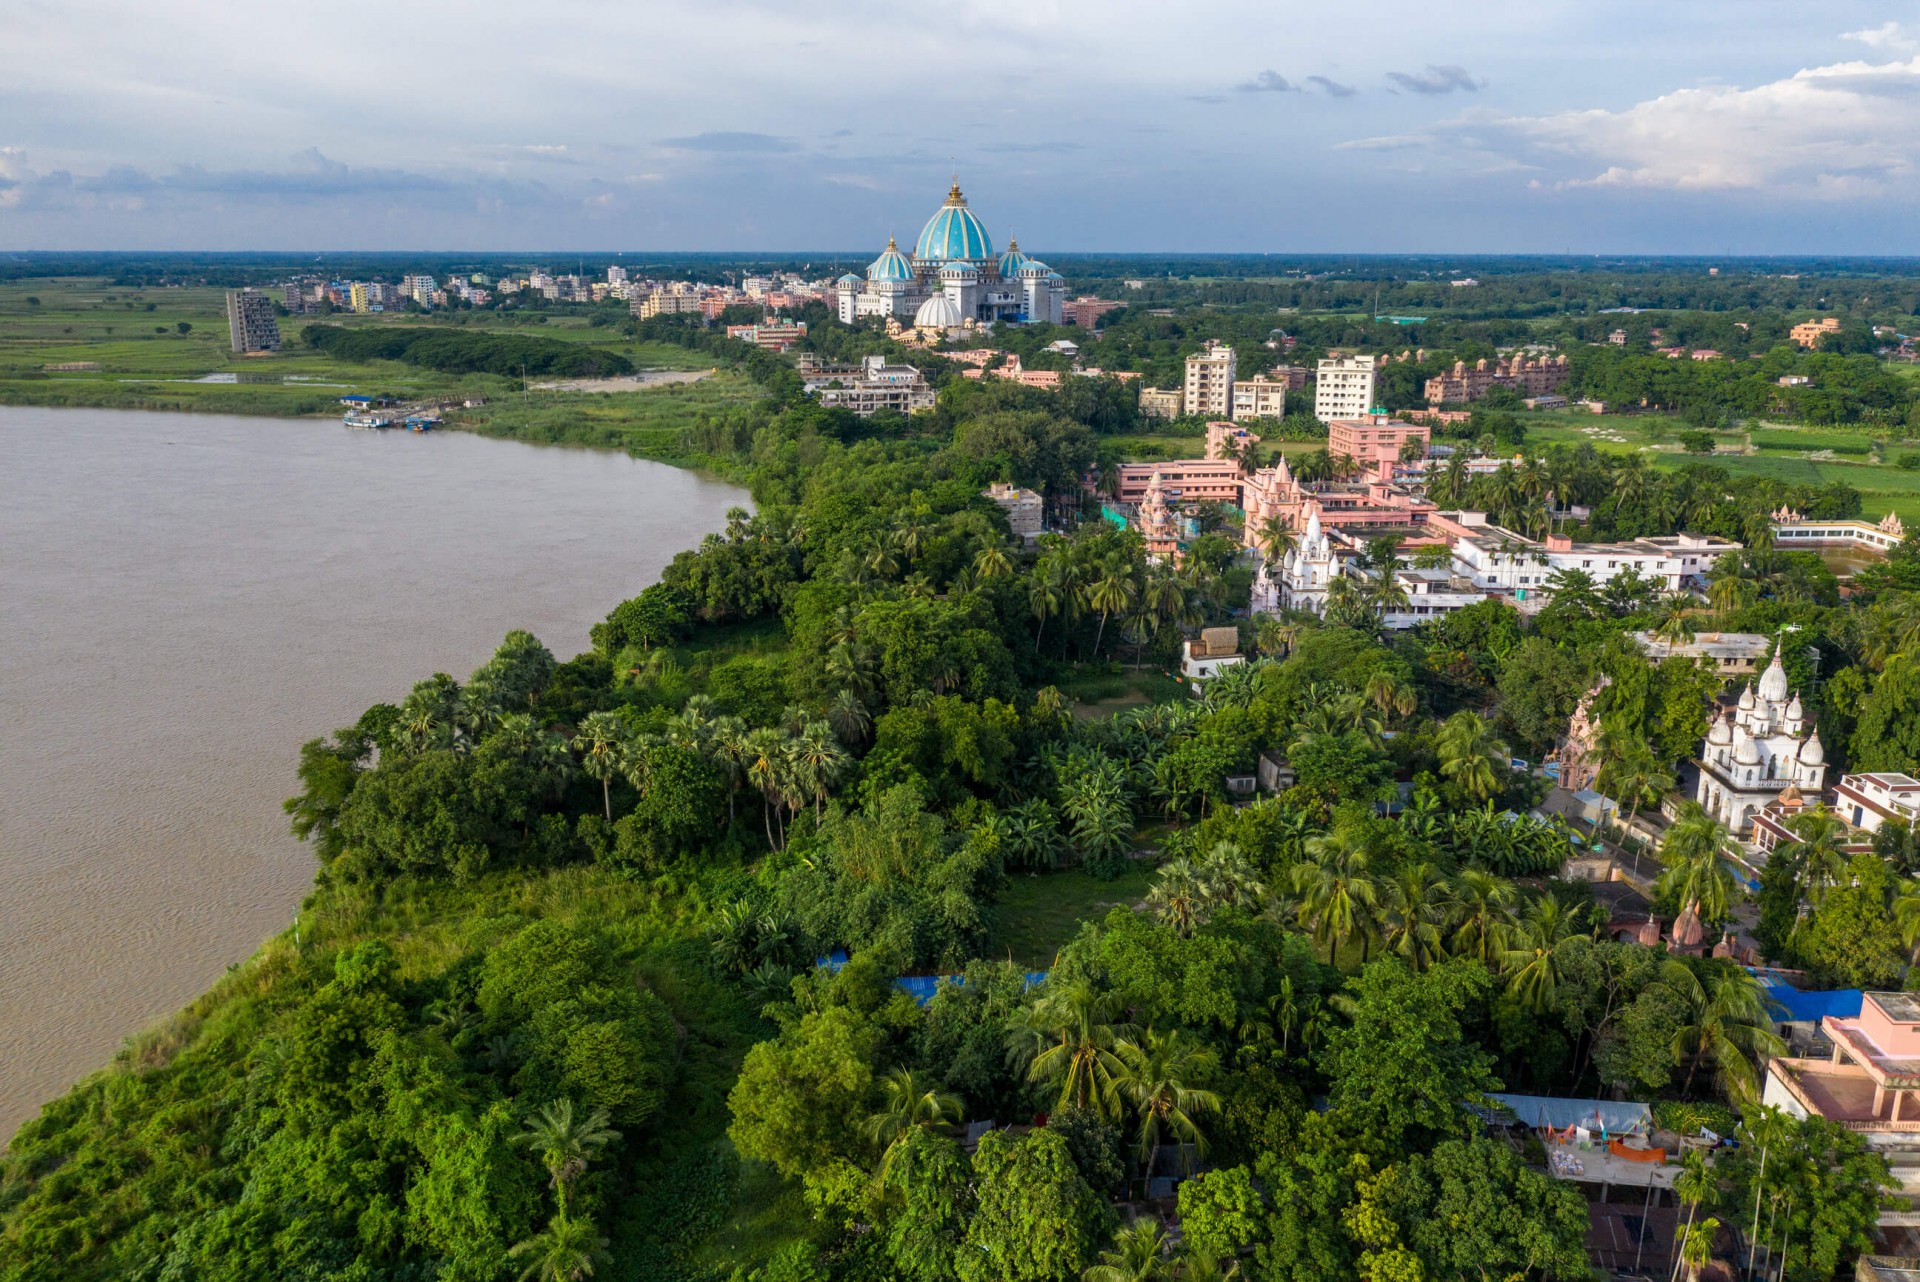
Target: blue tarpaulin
[919,987]
[1798,1007]
[1554,1112]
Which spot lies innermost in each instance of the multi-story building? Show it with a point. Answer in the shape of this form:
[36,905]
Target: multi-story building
[357,296]
[1087,313]
[1184,481]
[1344,388]
[1209,386]
[1732,654]
[1504,561]
[1259,397]
[1025,510]
[1528,377]
[953,277]
[1765,745]
[1809,333]
[869,387]
[662,302]
[1868,800]
[419,288]
[1226,441]
[1867,1085]
[774,335]
[250,321]
[1375,439]
[1162,402]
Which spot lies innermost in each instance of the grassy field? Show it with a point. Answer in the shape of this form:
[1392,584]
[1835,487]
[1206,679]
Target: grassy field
[1040,913]
[168,349]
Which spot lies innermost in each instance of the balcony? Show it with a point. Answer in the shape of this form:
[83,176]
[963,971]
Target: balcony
[1844,1094]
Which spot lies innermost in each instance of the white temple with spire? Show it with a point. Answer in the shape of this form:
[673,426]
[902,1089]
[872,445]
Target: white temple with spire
[1759,750]
[1308,567]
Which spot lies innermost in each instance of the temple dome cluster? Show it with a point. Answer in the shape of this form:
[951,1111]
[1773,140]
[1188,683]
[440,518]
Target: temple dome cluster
[954,278]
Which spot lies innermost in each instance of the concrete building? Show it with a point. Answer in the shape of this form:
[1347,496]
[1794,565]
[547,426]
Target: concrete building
[1766,746]
[868,387]
[663,302]
[1809,333]
[1530,378]
[1344,388]
[1087,313]
[1867,801]
[1226,440]
[1209,386]
[1259,397]
[1205,655]
[1024,508]
[1791,530]
[250,322]
[1185,480]
[1162,402]
[773,336]
[1502,560]
[1374,439]
[1867,1085]
[1734,654]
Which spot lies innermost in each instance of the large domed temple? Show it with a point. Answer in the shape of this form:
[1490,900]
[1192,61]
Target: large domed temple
[953,277]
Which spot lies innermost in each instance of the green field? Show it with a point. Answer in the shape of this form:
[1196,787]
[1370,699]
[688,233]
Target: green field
[146,361]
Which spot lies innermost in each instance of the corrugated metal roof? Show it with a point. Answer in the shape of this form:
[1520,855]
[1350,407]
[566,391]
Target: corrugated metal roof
[1612,1116]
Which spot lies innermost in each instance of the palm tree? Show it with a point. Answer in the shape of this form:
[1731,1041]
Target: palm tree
[1692,1185]
[1111,593]
[1178,897]
[765,752]
[1906,915]
[1158,1078]
[567,1251]
[1676,626]
[1337,892]
[1631,773]
[1727,1021]
[1471,755]
[1418,901]
[566,1144]
[910,1101]
[1697,875]
[1138,1254]
[992,562]
[601,739]
[1274,537]
[1197,1265]
[1696,1246]
[849,718]
[1072,1040]
[1532,959]
[1818,838]
[1484,915]
[1346,605]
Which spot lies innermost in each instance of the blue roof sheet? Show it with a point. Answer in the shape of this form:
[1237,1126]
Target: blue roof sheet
[1800,1007]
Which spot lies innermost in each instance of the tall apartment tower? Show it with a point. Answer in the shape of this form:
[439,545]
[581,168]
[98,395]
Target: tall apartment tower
[1209,389]
[250,320]
[1344,388]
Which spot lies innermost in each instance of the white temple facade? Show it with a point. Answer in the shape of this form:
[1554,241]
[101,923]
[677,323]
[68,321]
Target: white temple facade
[1759,750]
[1308,567]
[953,277]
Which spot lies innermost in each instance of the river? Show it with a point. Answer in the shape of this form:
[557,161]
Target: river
[184,600]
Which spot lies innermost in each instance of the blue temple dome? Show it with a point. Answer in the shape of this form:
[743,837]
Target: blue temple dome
[1012,261]
[953,232]
[891,265]
[958,270]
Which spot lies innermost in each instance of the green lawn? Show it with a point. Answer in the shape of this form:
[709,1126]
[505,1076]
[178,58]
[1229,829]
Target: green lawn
[1040,912]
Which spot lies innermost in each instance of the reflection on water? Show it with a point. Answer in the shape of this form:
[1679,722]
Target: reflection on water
[187,598]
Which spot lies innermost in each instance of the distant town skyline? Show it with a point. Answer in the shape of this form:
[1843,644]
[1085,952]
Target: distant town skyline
[1384,126]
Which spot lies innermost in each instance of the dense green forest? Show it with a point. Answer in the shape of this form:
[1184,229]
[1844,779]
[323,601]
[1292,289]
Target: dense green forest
[467,352]
[555,1007]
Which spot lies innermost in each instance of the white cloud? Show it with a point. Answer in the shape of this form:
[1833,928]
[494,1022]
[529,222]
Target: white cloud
[1833,131]
[1891,36]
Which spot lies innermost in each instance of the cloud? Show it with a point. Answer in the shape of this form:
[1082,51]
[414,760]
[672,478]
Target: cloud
[1891,36]
[1437,80]
[1268,82]
[728,141]
[1332,88]
[1830,132]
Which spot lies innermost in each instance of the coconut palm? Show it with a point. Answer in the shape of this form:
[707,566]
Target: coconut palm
[1275,538]
[1817,848]
[1471,755]
[1691,1185]
[1159,1077]
[1532,958]
[1138,1254]
[566,1143]
[1630,772]
[1696,873]
[1110,592]
[1197,1265]
[1346,605]
[910,1101]
[1483,919]
[1676,625]
[1071,1037]
[1417,902]
[602,740]
[1727,1021]
[992,562]
[1906,915]
[1338,895]
[566,1251]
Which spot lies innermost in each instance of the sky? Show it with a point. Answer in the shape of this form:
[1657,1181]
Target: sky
[1379,126]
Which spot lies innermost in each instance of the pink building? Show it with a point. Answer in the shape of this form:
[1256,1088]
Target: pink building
[1359,507]
[1224,438]
[1869,1082]
[1190,480]
[1375,439]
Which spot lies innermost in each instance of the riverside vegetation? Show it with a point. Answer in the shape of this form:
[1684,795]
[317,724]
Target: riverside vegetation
[552,1009]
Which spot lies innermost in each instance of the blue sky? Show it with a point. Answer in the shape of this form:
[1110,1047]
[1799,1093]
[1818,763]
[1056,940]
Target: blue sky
[1696,126]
